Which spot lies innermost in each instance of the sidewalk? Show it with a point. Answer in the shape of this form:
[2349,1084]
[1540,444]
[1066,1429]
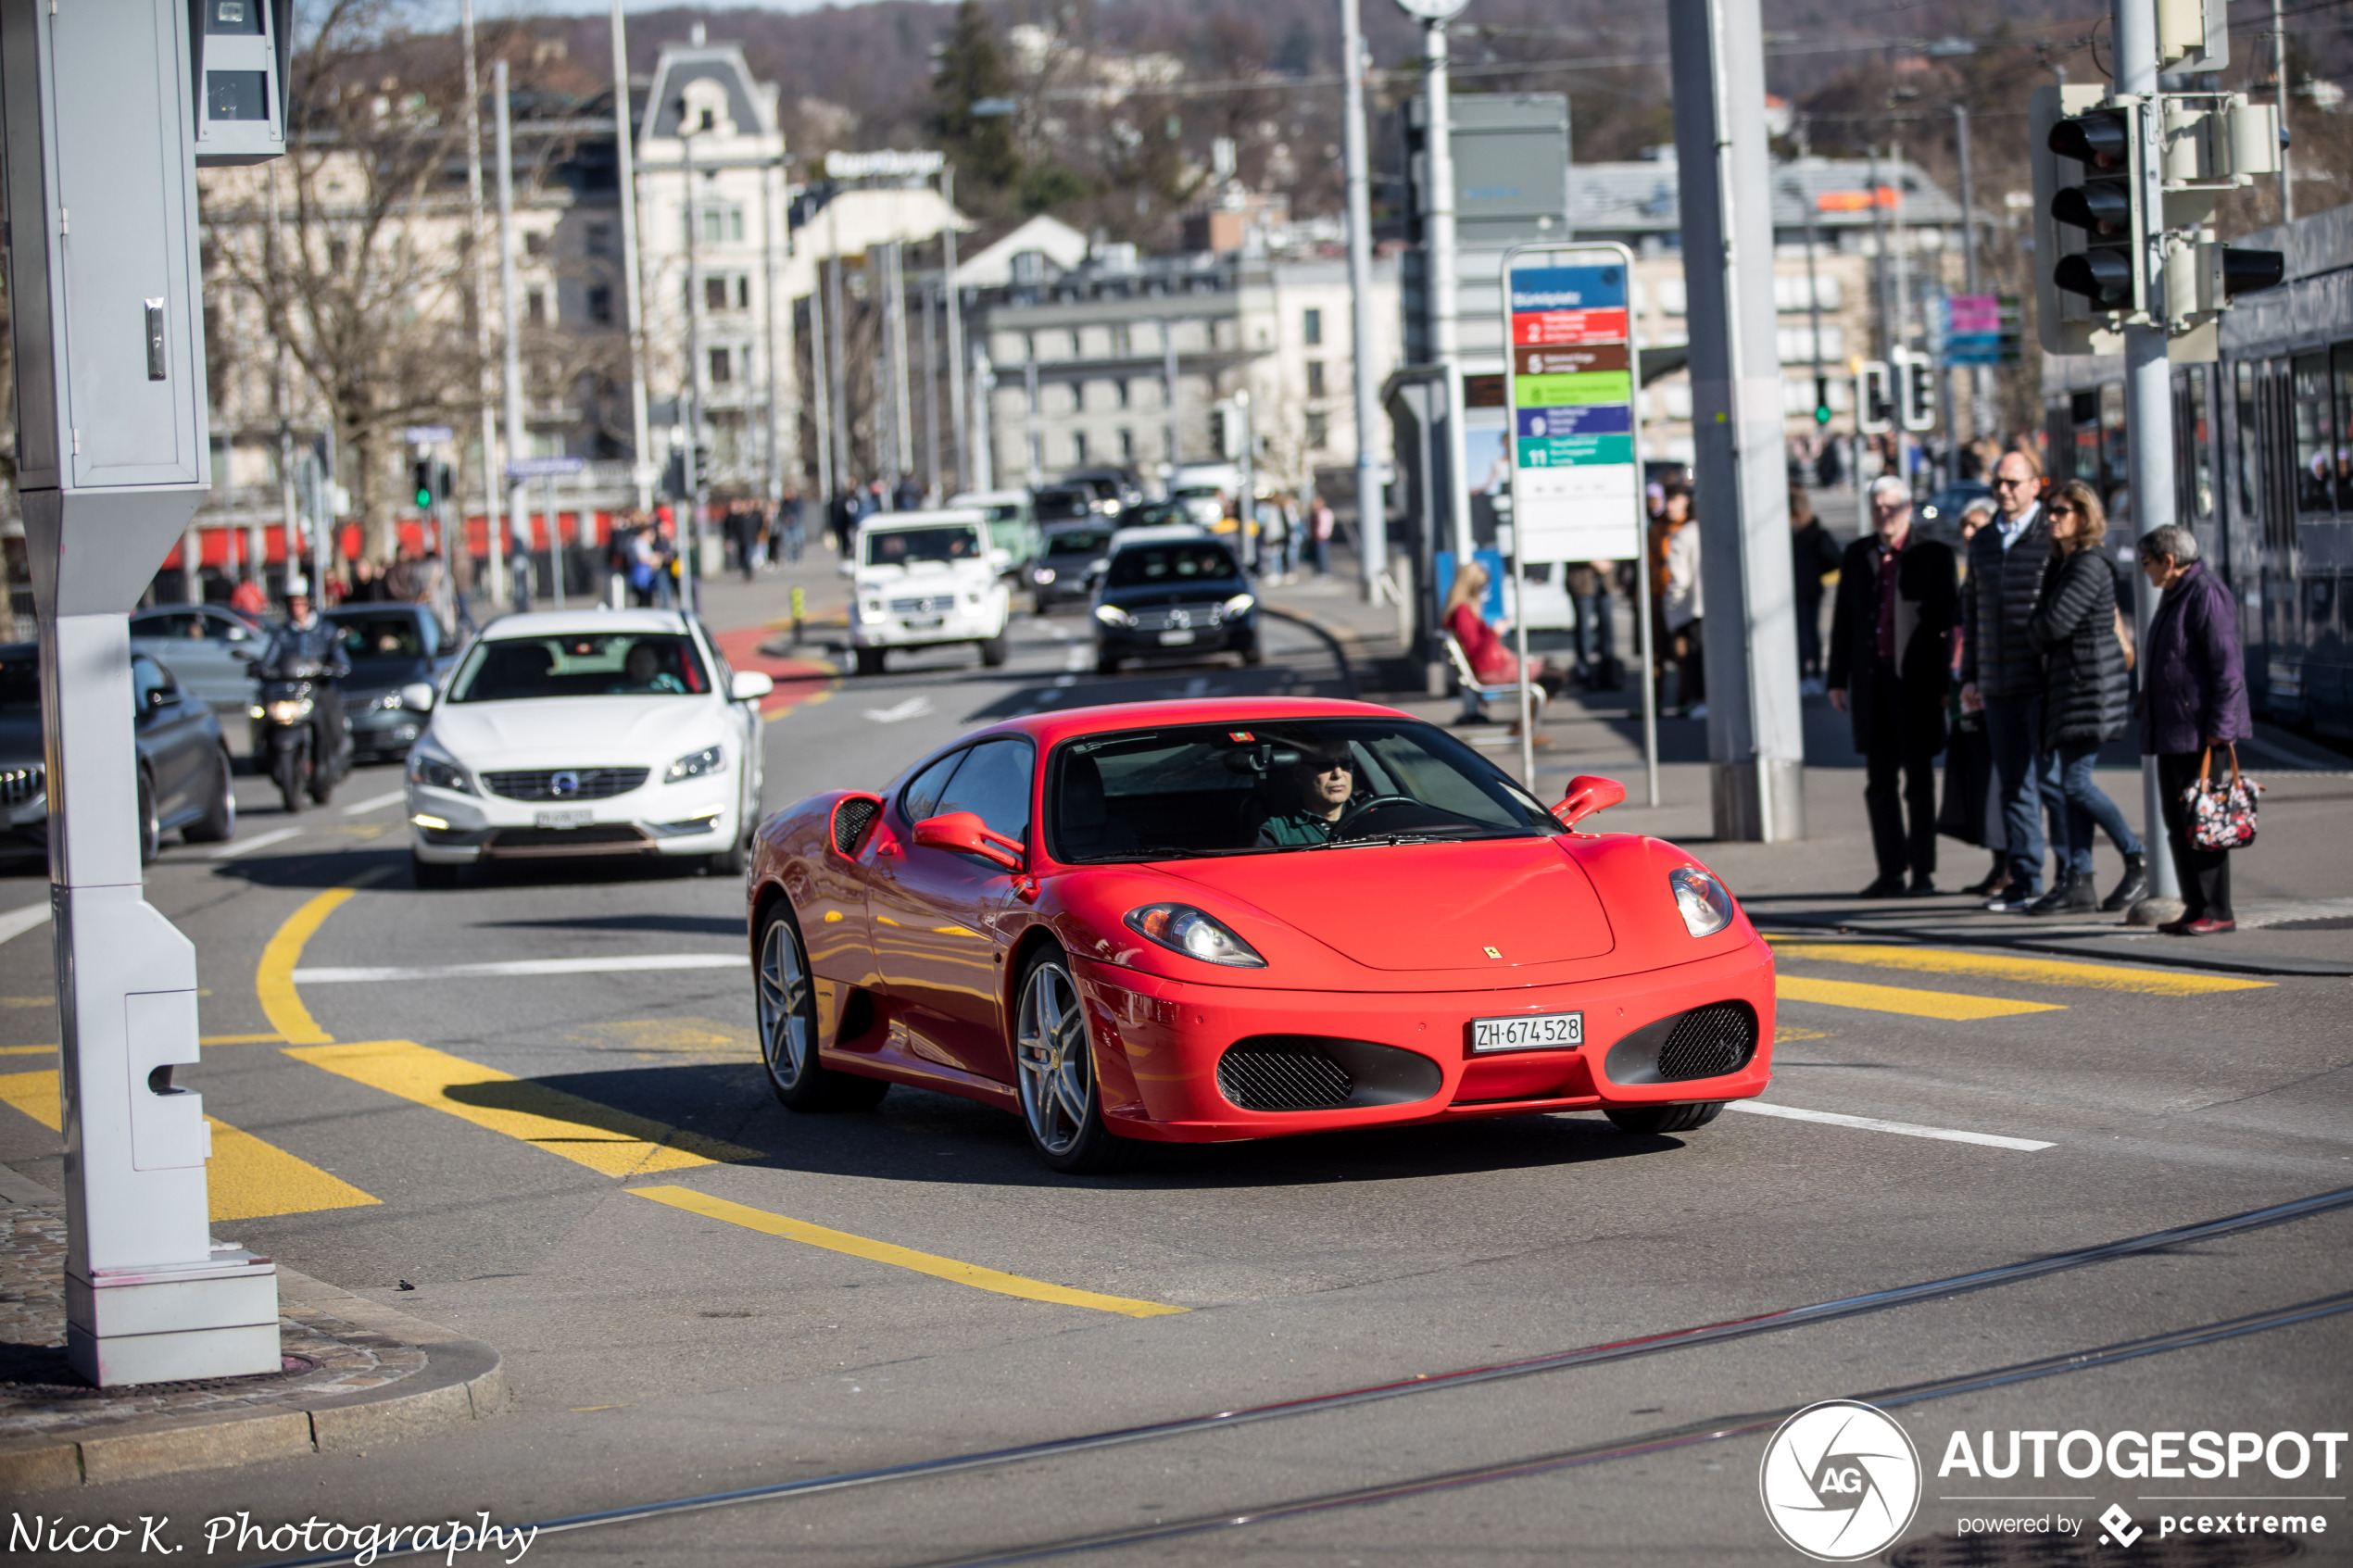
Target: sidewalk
[2293,889]
[356,1374]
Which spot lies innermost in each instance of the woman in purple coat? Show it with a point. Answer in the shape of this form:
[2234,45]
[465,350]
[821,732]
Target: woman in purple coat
[2193,698]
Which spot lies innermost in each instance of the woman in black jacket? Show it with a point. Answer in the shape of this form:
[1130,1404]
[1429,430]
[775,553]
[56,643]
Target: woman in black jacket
[2087,695]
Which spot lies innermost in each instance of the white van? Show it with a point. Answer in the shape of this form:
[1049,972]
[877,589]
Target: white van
[926,580]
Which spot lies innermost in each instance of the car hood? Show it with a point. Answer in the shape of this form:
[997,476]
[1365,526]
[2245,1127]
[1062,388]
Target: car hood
[925,573]
[1512,902]
[378,675]
[572,731]
[1189,593]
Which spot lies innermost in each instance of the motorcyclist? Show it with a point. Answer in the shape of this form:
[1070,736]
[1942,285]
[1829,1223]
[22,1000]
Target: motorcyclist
[306,639]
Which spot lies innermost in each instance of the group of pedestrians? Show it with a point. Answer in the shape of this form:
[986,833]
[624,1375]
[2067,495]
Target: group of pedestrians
[2026,644]
[761,533]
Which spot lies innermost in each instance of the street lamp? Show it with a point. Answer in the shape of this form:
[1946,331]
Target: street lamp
[1445,336]
[690,127]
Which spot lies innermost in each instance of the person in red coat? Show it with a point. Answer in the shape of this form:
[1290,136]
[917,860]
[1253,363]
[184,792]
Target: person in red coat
[1491,659]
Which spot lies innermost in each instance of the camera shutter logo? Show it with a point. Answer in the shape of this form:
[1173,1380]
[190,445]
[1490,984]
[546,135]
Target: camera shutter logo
[1840,1481]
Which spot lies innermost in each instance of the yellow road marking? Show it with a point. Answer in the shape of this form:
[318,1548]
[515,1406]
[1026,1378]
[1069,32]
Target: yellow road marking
[2033,971]
[898,1257]
[242,1040]
[616,1143]
[26,1050]
[274,980]
[245,1179]
[1895,998]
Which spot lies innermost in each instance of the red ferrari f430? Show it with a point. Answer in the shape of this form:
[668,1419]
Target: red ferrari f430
[1186,922]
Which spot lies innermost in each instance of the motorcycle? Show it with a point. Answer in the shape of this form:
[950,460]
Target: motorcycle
[289,734]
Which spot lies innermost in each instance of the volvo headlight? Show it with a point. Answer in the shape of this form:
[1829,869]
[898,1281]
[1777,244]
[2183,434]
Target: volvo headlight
[695,765]
[1183,929]
[1240,604]
[438,772]
[1706,907]
[288,709]
[1112,615]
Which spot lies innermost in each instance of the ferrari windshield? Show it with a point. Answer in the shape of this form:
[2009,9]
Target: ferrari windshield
[1188,791]
[905,547]
[581,664]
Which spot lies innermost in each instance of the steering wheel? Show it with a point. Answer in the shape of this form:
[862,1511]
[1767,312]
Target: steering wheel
[1364,807]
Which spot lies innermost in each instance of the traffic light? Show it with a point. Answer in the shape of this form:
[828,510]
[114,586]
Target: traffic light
[1916,388]
[1821,400]
[674,476]
[2214,143]
[421,484]
[2078,139]
[1874,397]
[702,468]
[1219,425]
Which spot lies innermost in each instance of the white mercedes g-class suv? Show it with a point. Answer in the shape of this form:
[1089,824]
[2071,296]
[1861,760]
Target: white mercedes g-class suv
[926,580]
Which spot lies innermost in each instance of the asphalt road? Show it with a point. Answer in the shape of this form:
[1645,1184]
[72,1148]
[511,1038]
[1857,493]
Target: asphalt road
[532,1159]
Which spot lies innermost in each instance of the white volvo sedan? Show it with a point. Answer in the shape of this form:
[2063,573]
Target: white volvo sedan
[594,732]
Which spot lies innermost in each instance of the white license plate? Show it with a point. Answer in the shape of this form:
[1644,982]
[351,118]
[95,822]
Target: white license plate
[925,623]
[1535,1031]
[1172,638]
[573,816]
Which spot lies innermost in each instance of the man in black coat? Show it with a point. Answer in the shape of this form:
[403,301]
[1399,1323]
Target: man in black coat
[2002,669]
[1889,658]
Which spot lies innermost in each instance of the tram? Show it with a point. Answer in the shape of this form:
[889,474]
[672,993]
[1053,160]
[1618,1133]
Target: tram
[2264,467]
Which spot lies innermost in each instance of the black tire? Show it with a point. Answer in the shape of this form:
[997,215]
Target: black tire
[785,1003]
[291,767]
[1051,1069]
[870,661]
[321,787]
[1106,664]
[219,823]
[150,825]
[1654,1119]
[431,876]
[1251,654]
[995,650]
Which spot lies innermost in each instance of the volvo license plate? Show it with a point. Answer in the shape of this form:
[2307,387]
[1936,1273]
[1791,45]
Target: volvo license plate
[1530,1032]
[571,817]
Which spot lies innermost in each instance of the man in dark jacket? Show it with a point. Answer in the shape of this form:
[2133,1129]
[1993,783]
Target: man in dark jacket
[1813,554]
[1889,663]
[2192,699]
[2002,669]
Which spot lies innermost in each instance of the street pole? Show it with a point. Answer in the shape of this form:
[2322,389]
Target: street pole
[984,455]
[1755,738]
[1813,302]
[836,345]
[479,279]
[902,423]
[632,288]
[1029,417]
[1445,326]
[931,395]
[2278,83]
[957,415]
[1881,271]
[1372,503]
[690,574]
[2148,405]
[1980,377]
[772,357]
[555,542]
[821,417]
[1174,442]
[518,497]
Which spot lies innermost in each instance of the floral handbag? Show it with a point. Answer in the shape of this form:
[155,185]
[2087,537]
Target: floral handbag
[2222,816]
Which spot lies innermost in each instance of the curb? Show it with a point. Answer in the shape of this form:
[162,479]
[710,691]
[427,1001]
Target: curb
[2118,950]
[1346,642]
[463,1380]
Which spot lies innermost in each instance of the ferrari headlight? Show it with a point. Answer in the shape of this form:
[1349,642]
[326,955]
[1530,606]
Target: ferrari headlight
[1706,907]
[695,765]
[288,709]
[438,772]
[1183,929]
[1112,615]
[1240,604]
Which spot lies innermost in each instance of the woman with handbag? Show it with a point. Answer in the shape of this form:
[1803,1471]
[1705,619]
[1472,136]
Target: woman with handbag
[2192,703]
[2086,694]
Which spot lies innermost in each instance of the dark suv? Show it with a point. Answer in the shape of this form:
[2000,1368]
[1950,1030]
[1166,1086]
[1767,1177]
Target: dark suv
[1070,565]
[1173,597]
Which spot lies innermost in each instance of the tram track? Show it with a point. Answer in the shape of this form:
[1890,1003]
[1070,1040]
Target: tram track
[1713,1430]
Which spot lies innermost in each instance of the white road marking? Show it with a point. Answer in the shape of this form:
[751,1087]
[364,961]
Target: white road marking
[1197,686]
[618,963]
[1080,656]
[1873,1125]
[1065,681]
[913,707]
[360,808]
[247,846]
[16,922]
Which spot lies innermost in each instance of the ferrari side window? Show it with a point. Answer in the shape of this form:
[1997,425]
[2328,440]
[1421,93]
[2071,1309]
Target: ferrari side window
[994,785]
[920,798]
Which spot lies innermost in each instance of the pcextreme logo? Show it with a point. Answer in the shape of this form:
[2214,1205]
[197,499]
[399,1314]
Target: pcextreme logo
[1841,1480]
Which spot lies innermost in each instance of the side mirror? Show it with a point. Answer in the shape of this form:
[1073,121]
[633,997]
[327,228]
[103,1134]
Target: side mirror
[750,685]
[416,695]
[965,834]
[848,569]
[1586,794]
[163,695]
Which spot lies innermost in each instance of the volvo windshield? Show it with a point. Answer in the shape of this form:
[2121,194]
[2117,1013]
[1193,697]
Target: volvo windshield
[581,664]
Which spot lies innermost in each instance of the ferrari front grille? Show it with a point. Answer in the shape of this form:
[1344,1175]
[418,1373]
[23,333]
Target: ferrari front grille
[852,818]
[1708,1043]
[565,783]
[1264,1080]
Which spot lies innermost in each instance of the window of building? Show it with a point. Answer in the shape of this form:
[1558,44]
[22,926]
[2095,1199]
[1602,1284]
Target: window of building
[597,238]
[1127,445]
[1078,446]
[1311,327]
[1120,341]
[1078,351]
[1030,346]
[722,366]
[1314,377]
[600,304]
[1319,431]
[534,242]
[743,292]
[722,222]
[1120,387]
[714,294]
[535,306]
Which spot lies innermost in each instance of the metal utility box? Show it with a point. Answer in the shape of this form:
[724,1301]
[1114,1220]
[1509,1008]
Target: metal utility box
[237,56]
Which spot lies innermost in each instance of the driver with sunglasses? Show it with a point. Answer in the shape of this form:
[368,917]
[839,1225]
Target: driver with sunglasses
[1323,783]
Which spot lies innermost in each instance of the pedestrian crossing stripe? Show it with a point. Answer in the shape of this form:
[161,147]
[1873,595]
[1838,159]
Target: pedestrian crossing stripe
[245,1179]
[2010,966]
[1901,999]
[612,1142]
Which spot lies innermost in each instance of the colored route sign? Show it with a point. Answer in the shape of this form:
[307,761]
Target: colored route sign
[1576,487]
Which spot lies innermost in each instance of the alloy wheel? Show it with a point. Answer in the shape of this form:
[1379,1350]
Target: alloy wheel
[787,1017]
[1057,1073]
